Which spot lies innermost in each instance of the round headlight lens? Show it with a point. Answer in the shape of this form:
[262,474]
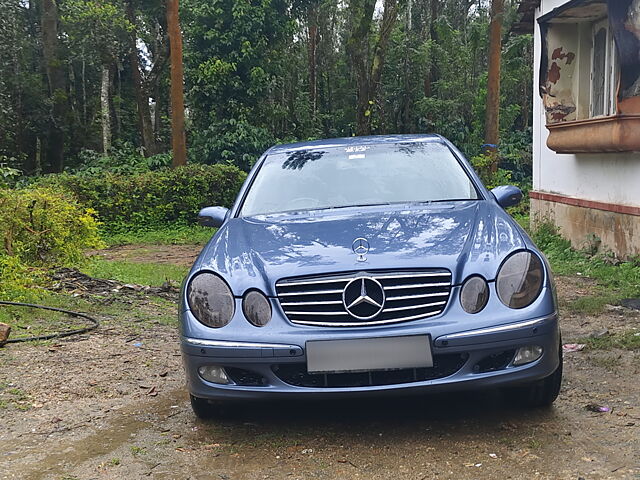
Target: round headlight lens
[474,294]
[210,300]
[256,308]
[519,280]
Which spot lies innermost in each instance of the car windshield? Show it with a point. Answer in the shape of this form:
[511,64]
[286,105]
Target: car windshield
[357,175]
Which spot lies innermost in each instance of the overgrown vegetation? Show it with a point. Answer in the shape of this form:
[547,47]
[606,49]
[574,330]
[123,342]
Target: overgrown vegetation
[153,199]
[626,341]
[153,274]
[615,280]
[45,225]
[165,235]
[39,227]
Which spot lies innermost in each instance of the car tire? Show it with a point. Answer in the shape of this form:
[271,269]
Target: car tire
[541,393]
[202,408]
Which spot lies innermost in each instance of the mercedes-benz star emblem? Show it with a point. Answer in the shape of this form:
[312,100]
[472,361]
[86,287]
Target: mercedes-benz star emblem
[363,298]
[360,247]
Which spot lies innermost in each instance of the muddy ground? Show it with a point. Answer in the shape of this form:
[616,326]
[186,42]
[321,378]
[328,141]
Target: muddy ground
[112,405]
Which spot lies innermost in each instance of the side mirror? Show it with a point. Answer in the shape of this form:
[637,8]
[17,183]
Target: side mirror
[212,216]
[507,195]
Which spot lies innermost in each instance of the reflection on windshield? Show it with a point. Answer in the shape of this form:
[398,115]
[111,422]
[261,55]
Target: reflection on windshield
[297,160]
[339,177]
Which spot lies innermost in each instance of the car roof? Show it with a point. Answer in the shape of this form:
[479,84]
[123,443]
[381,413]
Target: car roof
[356,141]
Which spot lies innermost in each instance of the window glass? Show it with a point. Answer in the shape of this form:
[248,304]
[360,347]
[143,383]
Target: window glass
[356,176]
[599,72]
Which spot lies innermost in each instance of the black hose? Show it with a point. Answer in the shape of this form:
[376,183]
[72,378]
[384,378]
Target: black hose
[67,333]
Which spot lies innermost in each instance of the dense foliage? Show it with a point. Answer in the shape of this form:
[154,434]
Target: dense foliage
[41,226]
[147,200]
[92,75]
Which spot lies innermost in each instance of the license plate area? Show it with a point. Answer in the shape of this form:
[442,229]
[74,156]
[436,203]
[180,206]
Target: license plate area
[369,354]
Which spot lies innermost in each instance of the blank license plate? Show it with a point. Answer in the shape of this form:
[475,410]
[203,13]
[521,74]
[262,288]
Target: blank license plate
[363,354]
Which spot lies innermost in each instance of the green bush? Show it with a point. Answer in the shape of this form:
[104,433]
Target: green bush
[43,225]
[149,200]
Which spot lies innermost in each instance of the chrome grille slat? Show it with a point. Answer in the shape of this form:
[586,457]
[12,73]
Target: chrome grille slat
[414,307]
[417,275]
[410,295]
[319,302]
[367,323]
[419,285]
[313,282]
[317,292]
[334,314]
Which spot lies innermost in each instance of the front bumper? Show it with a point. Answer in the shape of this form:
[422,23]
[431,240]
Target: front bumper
[463,360]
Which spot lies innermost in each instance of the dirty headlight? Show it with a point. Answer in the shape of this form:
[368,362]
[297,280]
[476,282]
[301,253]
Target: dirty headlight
[519,280]
[210,300]
[474,294]
[256,308]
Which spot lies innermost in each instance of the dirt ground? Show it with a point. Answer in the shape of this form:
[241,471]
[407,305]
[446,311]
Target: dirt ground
[112,405]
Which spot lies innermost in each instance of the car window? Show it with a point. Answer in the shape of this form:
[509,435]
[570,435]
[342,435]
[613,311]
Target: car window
[338,177]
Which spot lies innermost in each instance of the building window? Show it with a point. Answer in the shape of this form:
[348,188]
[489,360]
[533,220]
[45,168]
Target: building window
[603,72]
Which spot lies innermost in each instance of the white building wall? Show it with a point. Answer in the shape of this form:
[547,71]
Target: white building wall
[603,177]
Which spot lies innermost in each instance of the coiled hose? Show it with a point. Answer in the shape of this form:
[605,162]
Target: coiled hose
[67,333]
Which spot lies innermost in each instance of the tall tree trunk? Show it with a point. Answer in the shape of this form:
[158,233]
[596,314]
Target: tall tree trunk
[313,46]
[492,118]
[145,124]
[358,49]
[178,140]
[368,74]
[105,115]
[389,17]
[57,85]
[433,35]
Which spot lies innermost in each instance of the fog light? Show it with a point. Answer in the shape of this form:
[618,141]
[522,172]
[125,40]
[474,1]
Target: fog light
[213,374]
[527,354]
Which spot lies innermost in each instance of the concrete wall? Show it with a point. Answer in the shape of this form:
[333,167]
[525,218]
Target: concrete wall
[618,233]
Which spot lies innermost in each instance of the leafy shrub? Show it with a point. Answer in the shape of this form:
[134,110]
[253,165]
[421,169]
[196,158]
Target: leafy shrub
[41,225]
[152,199]
[123,159]
[8,175]
[482,165]
[17,279]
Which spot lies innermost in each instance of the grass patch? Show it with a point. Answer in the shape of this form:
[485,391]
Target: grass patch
[590,305]
[13,397]
[169,235]
[139,273]
[614,280]
[28,322]
[626,341]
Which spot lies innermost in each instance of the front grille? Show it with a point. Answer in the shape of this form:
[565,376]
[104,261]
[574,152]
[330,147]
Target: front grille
[410,295]
[296,374]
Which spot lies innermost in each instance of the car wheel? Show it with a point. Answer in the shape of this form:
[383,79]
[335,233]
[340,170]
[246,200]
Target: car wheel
[541,393]
[203,409]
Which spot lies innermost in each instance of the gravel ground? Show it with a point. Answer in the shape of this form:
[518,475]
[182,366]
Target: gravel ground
[112,404]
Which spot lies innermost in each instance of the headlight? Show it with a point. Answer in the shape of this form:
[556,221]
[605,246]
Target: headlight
[519,280]
[474,294]
[256,308]
[210,300]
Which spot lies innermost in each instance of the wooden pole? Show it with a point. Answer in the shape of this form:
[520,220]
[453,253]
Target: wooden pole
[492,118]
[178,141]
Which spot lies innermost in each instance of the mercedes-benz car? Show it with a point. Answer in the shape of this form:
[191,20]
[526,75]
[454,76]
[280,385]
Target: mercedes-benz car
[368,266]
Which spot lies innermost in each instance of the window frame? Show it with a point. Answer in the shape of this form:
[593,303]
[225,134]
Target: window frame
[609,107]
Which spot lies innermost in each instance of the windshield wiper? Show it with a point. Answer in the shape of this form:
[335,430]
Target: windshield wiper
[360,205]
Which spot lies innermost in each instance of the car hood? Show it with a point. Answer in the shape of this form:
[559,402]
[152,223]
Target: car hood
[463,237]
